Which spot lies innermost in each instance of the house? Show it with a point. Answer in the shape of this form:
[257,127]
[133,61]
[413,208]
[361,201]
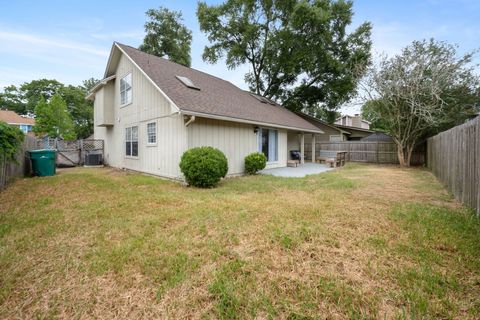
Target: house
[335,132]
[24,123]
[331,132]
[356,133]
[355,121]
[149,111]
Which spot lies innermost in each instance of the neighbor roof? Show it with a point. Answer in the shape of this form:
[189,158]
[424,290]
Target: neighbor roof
[350,128]
[215,97]
[319,122]
[12,117]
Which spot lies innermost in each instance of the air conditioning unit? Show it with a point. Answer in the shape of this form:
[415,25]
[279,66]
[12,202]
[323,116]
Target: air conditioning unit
[93,159]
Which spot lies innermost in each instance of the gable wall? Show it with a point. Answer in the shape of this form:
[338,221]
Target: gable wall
[148,105]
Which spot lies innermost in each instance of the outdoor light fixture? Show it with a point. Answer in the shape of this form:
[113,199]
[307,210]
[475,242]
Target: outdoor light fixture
[255,129]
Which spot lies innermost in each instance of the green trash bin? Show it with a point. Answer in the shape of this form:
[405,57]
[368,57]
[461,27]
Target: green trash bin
[43,162]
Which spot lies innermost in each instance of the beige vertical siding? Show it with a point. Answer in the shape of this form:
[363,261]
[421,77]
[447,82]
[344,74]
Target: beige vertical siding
[148,105]
[235,140]
[293,142]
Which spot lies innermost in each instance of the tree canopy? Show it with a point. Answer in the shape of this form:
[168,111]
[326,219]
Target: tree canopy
[53,119]
[26,97]
[11,138]
[425,89]
[167,36]
[299,52]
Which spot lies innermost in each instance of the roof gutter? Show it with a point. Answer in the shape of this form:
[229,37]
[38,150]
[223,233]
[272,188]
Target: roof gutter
[224,118]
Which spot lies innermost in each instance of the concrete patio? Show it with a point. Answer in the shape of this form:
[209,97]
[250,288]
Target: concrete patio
[298,172]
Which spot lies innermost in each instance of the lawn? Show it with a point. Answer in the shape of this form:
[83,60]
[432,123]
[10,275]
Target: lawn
[359,242]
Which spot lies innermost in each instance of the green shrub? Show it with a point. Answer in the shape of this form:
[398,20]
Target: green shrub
[11,139]
[204,166]
[254,162]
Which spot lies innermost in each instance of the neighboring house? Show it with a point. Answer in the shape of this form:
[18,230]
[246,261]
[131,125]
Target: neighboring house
[355,121]
[355,132]
[24,123]
[332,133]
[149,111]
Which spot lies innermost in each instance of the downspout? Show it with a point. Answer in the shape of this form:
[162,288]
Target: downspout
[192,119]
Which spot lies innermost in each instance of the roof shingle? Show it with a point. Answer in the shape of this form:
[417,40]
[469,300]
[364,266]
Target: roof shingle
[12,117]
[215,97]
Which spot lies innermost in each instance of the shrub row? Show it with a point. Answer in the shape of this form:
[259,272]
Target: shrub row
[204,166]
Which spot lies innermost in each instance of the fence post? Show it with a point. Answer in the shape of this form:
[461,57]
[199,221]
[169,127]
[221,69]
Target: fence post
[80,151]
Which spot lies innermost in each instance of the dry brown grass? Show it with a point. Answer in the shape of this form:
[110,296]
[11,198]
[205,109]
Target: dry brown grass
[361,242]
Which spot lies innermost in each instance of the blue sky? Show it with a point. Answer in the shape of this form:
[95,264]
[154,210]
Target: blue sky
[70,40]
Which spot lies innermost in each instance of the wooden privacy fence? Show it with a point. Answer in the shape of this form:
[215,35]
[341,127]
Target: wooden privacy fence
[72,153]
[367,151]
[454,157]
[11,170]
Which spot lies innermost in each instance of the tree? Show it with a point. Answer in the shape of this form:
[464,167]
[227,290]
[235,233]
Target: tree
[421,91]
[53,119]
[11,138]
[80,110]
[12,99]
[89,84]
[299,52]
[369,114]
[167,36]
[33,91]
[26,97]
[326,115]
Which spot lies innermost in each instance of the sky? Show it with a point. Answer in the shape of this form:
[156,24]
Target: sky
[70,40]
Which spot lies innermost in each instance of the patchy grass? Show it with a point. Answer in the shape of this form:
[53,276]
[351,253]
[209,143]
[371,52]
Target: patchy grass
[361,242]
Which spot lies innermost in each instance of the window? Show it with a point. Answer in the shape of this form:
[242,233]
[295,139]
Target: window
[335,138]
[131,141]
[25,128]
[152,133]
[268,144]
[126,90]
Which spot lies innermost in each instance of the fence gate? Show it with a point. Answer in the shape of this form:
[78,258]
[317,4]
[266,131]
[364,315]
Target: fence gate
[74,153]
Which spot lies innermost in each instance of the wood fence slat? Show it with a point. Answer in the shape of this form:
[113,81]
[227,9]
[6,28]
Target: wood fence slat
[370,151]
[11,170]
[453,156]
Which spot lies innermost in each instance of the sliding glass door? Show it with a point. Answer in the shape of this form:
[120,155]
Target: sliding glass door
[268,143]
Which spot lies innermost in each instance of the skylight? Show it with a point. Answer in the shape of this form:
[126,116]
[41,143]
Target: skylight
[187,82]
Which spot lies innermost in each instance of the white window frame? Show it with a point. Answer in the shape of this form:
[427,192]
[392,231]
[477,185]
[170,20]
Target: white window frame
[149,143]
[339,136]
[130,138]
[271,133]
[125,90]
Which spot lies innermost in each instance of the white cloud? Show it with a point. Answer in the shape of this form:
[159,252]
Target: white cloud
[13,39]
[27,56]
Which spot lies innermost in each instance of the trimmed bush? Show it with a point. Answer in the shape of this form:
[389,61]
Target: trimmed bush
[254,162]
[204,166]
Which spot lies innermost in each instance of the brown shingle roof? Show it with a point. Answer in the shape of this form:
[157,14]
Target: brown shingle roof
[216,96]
[13,118]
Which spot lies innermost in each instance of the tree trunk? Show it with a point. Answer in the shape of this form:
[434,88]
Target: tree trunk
[409,154]
[401,155]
